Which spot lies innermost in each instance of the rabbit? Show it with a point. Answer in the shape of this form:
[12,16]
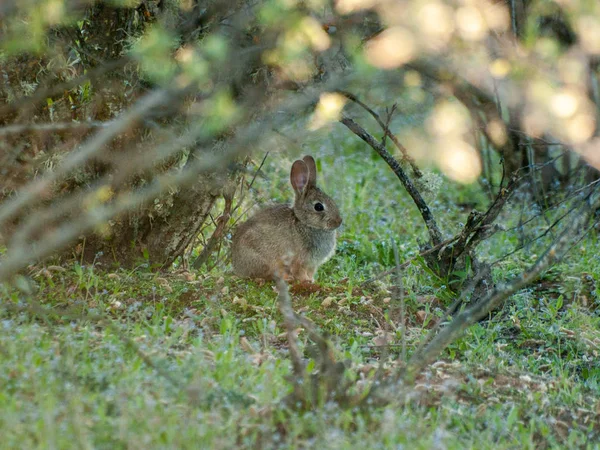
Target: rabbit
[289,242]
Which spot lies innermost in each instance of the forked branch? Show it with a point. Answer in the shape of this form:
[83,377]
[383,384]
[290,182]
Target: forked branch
[501,292]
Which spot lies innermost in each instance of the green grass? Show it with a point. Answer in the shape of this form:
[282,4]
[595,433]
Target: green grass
[199,360]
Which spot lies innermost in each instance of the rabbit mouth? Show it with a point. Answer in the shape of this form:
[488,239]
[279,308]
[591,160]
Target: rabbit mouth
[332,224]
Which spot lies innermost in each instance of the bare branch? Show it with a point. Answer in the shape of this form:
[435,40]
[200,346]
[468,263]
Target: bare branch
[94,145]
[290,322]
[484,306]
[217,235]
[400,289]
[17,257]
[44,92]
[386,131]
[55,126]
[434,232]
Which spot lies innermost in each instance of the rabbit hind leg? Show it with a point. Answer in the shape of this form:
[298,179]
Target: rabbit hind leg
[302,273]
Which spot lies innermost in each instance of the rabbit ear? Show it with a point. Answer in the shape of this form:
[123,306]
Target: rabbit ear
[299,176]
[312,169]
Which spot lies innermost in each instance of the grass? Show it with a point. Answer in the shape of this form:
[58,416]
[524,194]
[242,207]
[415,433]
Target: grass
[192,360]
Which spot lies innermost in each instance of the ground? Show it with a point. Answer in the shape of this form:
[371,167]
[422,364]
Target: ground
[101,357]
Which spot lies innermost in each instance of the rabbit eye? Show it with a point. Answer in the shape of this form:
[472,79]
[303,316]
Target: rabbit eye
[319,207]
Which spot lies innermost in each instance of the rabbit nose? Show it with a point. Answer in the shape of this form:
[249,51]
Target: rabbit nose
[336,222]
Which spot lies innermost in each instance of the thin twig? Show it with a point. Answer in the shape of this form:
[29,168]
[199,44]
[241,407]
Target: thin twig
[405,264]
[217,235]
[290,322]
[240,201]
[18,257]
[388,120]
[400,288]
[54,127]
[460,300]
[554,205]
[385,127]
[480,309]
[537,238]
[36,189]
[43,92]
[434,232]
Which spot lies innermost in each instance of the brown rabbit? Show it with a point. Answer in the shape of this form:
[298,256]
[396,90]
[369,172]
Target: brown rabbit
[289,242]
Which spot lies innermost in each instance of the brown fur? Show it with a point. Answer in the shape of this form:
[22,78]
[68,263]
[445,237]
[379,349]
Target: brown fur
[289,242]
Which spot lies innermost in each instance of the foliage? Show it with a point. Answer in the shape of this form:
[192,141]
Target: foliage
[461,309]
[525,378]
